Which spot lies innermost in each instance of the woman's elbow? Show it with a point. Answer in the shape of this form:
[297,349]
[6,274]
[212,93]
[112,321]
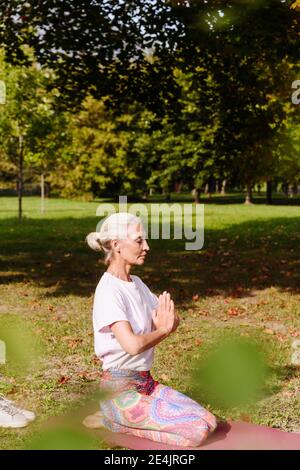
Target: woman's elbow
[133,348]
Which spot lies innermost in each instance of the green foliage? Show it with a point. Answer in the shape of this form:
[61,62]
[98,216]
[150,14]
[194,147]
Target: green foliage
[185,143]
[61,438]
[22,349]
[107,154]
[191,93]
[92,46]
[28,116]
[232,374]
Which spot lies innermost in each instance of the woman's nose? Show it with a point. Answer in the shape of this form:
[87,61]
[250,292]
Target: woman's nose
[146,246]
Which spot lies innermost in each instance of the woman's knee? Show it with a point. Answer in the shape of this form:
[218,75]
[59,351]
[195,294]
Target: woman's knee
[202,431]
[197,437]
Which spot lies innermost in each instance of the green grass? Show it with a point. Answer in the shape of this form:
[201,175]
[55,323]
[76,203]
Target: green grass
[246,280]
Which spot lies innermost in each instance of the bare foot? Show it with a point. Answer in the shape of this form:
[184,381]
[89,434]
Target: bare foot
[94,421]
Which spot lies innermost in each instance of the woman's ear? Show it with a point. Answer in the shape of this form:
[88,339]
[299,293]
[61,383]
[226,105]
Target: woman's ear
[115,245]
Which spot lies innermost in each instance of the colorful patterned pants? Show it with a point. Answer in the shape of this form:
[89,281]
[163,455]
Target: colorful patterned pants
[140,406]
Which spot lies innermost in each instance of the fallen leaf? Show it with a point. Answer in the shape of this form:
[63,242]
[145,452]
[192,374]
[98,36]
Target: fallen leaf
[83,374]
[269,331]
[64,379]
[164,377]
[246,418]
[56,317]
[204,313]
[233,311]
[262,302]
[295,334]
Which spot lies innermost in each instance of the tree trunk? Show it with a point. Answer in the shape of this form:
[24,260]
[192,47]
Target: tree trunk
[295,189]
[223,188]
[20,176]
[196,193]
[145,195]
[42,193]
[167,194]
[269,192]
[211,187]
[248,199]
[178,186]
[290,190]
[285,189]
[208,189]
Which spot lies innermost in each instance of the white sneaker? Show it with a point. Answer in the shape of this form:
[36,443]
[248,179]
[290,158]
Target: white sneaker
[10,418]
[29,415]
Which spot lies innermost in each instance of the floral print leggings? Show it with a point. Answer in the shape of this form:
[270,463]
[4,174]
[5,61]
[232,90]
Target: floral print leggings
[140,406]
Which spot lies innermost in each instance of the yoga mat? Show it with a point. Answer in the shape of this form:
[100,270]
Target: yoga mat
[228,436]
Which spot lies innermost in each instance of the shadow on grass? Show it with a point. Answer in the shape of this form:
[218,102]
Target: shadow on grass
[285,373]
[252,255]
[279,199]
[280,375]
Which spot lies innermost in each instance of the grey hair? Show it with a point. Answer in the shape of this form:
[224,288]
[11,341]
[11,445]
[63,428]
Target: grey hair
[114,227]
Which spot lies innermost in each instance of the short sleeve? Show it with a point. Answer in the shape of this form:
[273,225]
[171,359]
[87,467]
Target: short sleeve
[151,297]
[108,308]
[154,299]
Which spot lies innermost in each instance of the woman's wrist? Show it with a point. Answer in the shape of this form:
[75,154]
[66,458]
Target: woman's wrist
[148,340]
[164,331]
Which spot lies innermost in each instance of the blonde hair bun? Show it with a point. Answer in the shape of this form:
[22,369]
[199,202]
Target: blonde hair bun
[93,240]
[113,227]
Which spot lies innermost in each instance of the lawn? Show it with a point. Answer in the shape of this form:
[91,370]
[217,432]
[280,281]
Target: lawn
[246,280]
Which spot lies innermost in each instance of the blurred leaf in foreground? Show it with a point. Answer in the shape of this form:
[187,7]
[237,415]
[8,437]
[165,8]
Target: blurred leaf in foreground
[62,438]
[67,432]
[233,373]
[22,347]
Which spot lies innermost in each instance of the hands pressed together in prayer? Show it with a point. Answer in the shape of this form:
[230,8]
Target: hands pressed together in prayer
[165,316]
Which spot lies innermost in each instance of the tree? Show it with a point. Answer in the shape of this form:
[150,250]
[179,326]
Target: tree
[127,52]
[26,121]
[97,47]
[185,141]
[255,50]
[107,153]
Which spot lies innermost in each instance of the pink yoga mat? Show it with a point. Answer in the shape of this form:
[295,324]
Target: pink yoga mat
[228,436]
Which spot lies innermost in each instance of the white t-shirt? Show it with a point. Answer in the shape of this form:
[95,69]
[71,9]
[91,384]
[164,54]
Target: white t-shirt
[115,300]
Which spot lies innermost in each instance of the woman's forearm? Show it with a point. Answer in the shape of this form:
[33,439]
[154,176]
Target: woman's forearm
[148,340]
[135,344]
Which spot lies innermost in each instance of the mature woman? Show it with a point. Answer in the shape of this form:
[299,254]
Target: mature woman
[129,321]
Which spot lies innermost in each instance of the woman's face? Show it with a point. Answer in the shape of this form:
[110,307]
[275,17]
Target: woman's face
[134,248]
